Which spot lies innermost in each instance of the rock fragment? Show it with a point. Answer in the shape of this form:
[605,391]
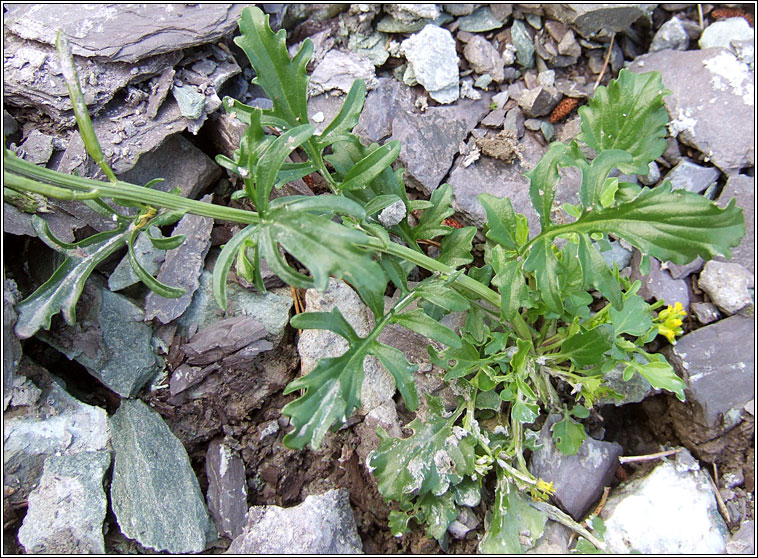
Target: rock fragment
[727,285]
[432,57]
[227,488]
[671,35]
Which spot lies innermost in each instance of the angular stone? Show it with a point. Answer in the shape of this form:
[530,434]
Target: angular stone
[32,77]
[322,524]
[57,423]
[742,189]
[524,45]
[148,256]
[718,371]
[271,308]
[371,46]
[154,493]
[338,70]
[722,127]
[484,58]
[124,32]
[589,19]
[480,20]
[722,33]
[224,338]
[180,164]
[670,511]
[727,285]
[432,57]
[743,541]
[181,268]
[506,180]
[382,105]
[412,12]
[227,488]
[578,479]
[539,101]
[671,35]
[431,140]
[658,284]
[705,312]
[37,148]
[110,340]
[67,509]
[692,177]
[378,384]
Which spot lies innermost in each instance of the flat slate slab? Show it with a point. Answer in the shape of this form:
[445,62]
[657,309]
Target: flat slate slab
[154,493]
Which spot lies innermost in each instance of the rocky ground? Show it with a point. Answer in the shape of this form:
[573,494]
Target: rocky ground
[155,424]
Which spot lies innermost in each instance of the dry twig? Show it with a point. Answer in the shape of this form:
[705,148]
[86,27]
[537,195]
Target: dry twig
[607,59]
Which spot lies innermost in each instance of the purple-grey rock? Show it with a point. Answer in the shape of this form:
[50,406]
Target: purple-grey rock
[484,58]
[682,271]
[224,338]
[382,105]
[110,340]
[180,164]
[67,509]
[227,488]
[705,312]
[322,524]
[154,492]
[742,189]
[495,119]
[514,121]
[589,19]
[37,148]
[743,541]
[670,35]
[578,479]
[539,101]
[181,268]
[722,127]
[32,76]
[718,370]
[124,32]
[501,179]
[658,284]
[692,177]
[727,285]
[431,140]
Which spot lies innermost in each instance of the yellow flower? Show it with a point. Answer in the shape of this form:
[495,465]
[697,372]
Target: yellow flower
[670,321]
[545,487]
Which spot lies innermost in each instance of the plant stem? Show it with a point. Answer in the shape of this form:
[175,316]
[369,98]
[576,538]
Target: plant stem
[33,178]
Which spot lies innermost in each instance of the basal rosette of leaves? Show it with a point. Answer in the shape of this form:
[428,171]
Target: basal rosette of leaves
[532,325]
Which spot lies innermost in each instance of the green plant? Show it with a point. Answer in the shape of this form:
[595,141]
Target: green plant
[532,324]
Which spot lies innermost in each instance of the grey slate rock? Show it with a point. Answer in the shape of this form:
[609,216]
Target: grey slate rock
[670,35]
[67,509]
[539,101]
[382,105]
[110,340]
[589,19]
[523,43]
[718,370]
[743,541]
[721,33]
[272,308]
[180,164]
[481,20]
[125,32]
[57,423]
[670,511]
[182,267]
[322,524]
[742,189]
[705,312]
[338,70]
[227,488]
[432,57]
[727,285]
[484,58]
[224,339]
[721,128]
[692,177]
[154,493]
[32,77]
[578,479]
[37,148]
[431,140]
[658,284]
[148,256]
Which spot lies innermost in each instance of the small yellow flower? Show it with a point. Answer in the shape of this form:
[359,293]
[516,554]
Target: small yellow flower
[670,322]
[545,487]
